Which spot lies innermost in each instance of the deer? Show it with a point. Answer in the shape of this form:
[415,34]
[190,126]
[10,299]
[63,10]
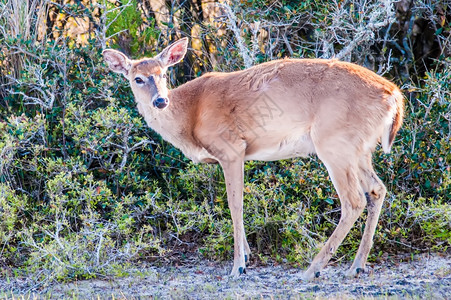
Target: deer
[276,110]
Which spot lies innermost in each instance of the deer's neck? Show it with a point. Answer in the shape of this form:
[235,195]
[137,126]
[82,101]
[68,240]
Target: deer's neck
[175,124]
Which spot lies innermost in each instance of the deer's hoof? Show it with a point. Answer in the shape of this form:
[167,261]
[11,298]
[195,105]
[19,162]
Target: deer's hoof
[309,276]
[355,272]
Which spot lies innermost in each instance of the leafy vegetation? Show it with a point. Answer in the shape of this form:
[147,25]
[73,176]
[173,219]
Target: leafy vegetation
[86,187]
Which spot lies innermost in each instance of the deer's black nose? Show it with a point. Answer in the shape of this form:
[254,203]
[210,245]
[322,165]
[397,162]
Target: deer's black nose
[161,103]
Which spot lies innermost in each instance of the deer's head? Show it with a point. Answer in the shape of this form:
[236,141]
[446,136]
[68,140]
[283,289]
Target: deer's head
[147,76]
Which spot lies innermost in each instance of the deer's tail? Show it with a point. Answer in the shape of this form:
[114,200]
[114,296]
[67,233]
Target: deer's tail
[396,100]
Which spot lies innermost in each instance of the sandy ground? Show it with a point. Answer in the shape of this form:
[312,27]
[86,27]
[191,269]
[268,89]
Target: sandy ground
[425,277]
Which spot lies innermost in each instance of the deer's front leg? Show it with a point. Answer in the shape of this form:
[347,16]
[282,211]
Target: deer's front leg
[233,173]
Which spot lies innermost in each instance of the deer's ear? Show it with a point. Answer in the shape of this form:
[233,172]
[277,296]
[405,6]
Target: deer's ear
[117,61]
[173,53]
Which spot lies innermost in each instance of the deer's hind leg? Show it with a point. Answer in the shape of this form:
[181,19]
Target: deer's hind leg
[344,171]
[375,193]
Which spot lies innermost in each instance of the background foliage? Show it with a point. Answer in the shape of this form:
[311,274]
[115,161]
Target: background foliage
[86,188]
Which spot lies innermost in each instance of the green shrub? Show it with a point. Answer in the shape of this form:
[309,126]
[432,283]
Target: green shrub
[129,30]
[82,231]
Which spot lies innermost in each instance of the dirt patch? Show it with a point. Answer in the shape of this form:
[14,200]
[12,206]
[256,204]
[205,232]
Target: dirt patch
[424,277]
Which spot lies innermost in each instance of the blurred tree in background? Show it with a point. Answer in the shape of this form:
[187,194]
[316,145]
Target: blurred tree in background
[86,187]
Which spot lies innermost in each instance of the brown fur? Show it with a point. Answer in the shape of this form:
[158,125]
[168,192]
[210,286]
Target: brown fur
[277,110]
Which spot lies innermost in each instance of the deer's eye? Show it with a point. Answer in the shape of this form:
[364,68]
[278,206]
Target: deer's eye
[139,80]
